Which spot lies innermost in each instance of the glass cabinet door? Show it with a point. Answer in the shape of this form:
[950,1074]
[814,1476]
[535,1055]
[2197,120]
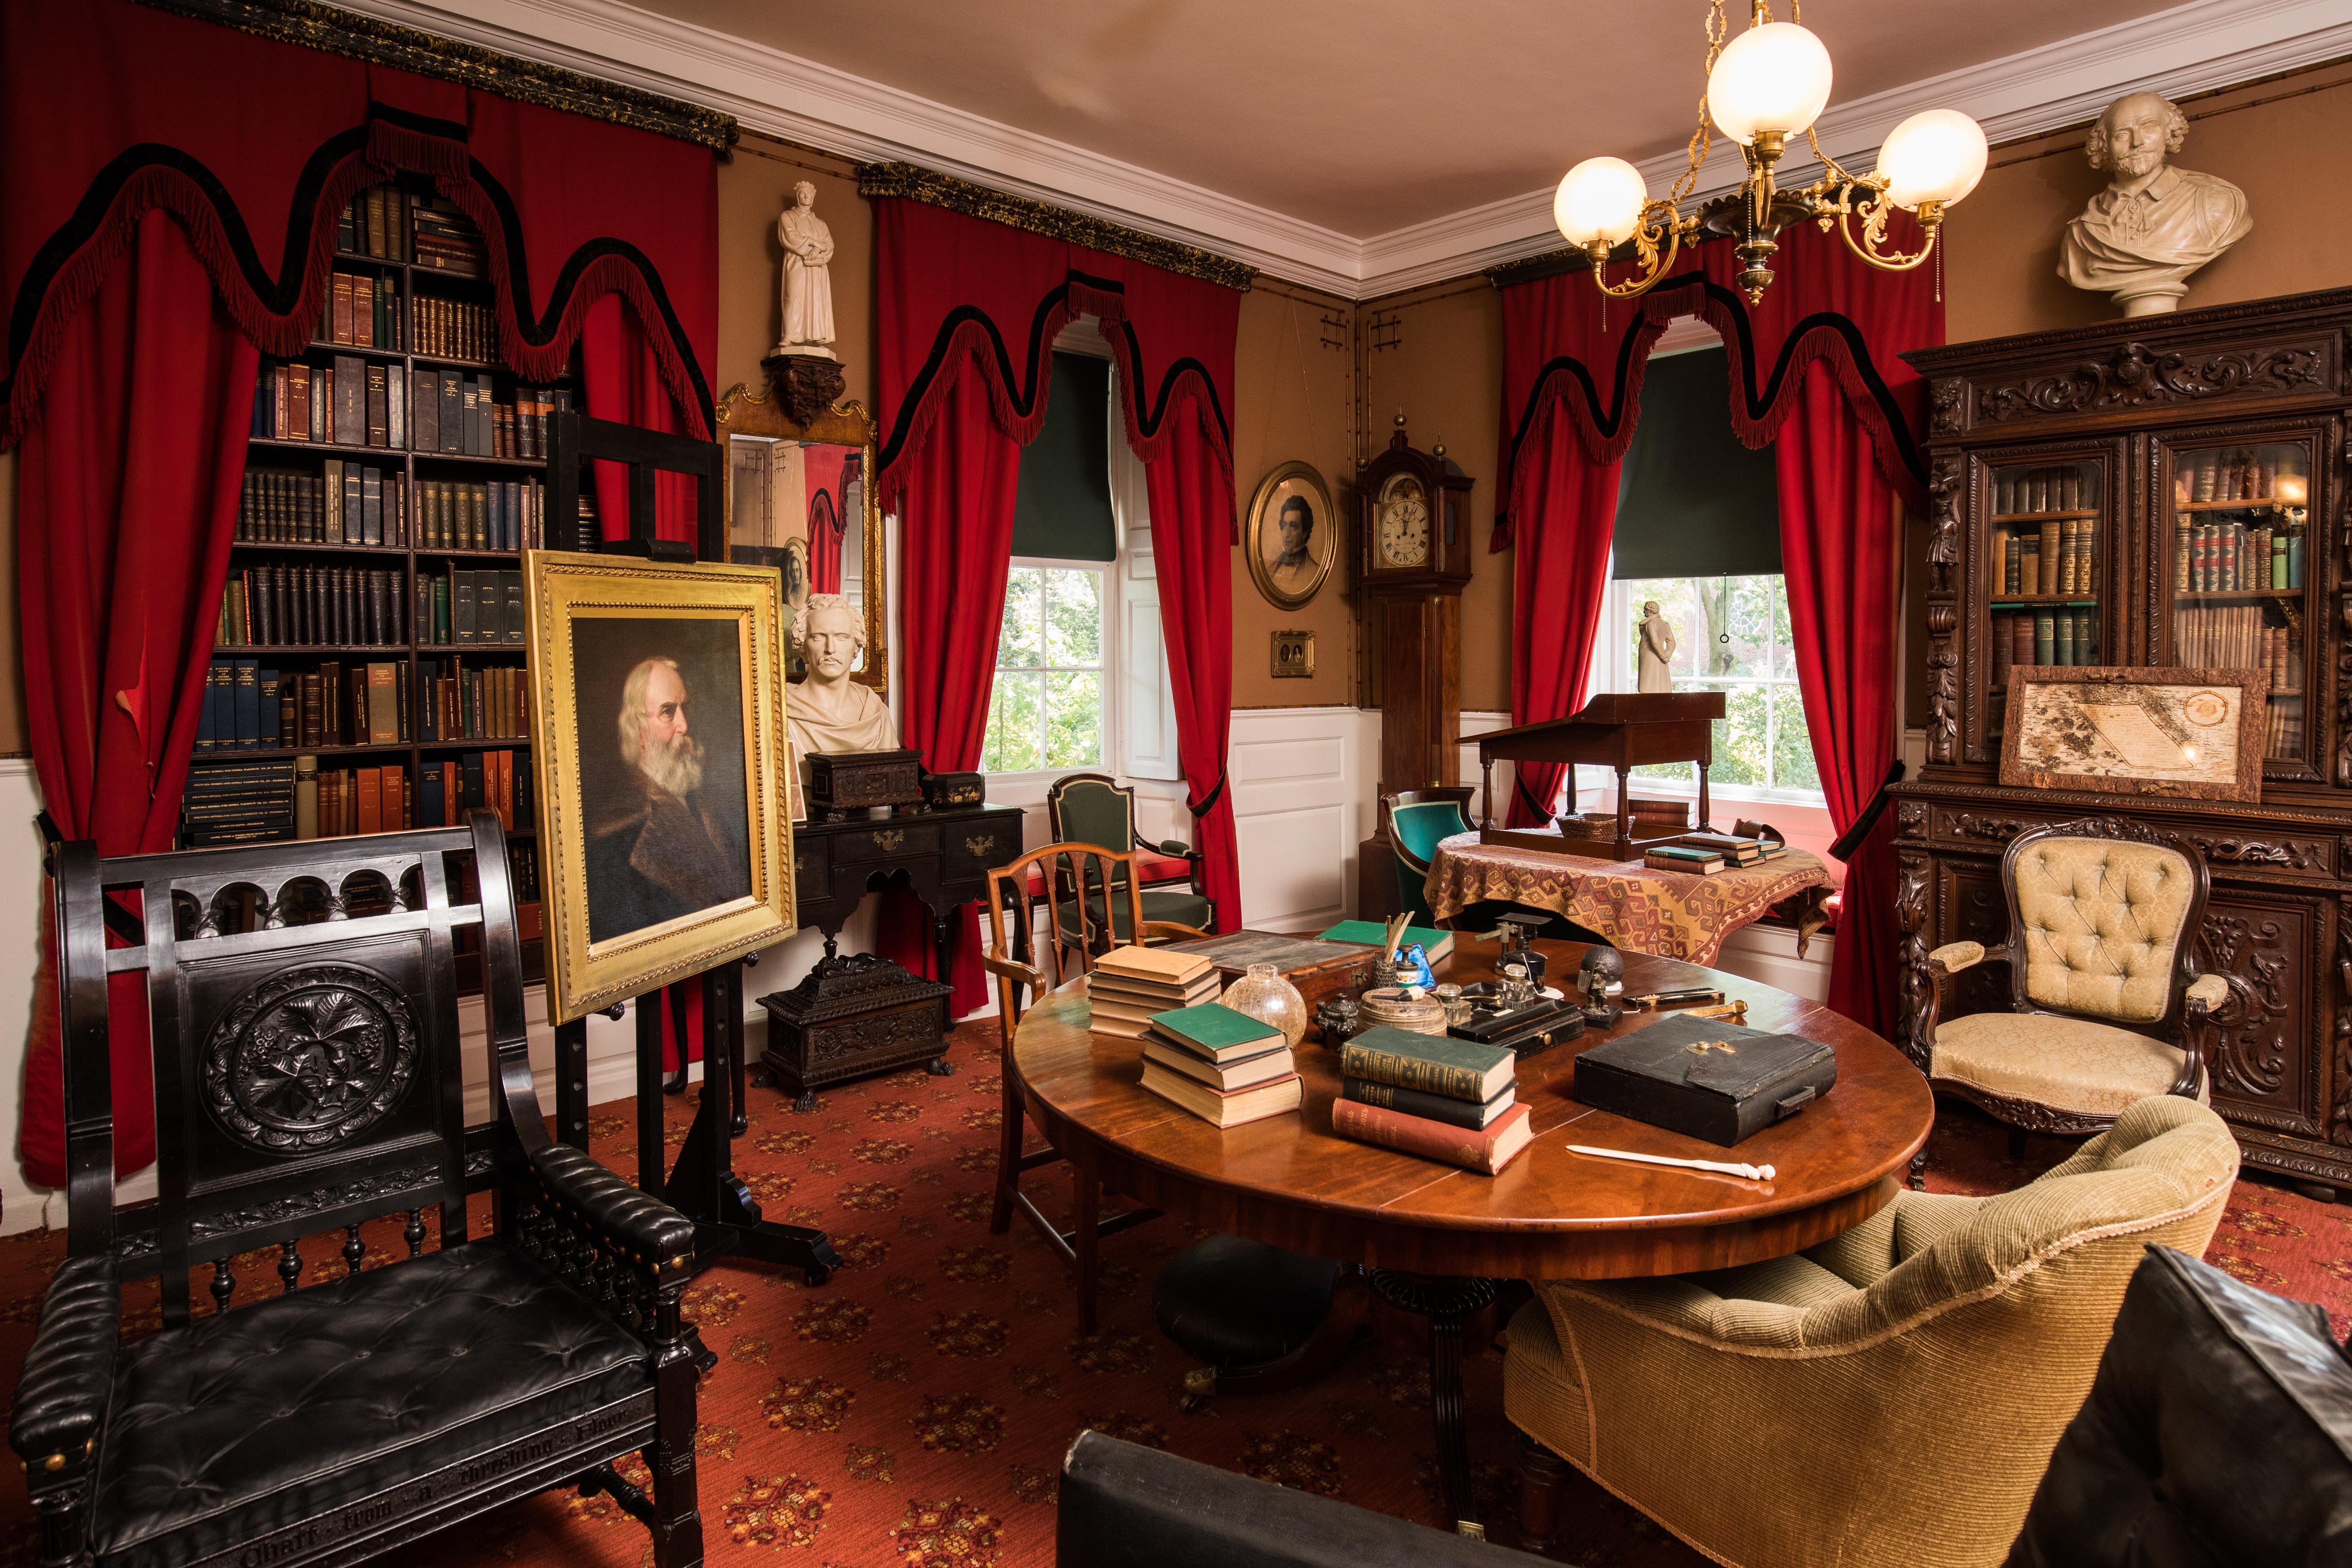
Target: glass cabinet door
[2235,516]
[2046,571]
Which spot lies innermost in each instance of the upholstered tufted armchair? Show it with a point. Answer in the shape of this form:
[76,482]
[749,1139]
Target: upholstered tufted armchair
[2106,1006]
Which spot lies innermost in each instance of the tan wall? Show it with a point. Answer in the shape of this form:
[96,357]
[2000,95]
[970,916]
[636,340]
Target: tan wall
[1445,375]
[753,188]
[1294,400]
[2275,140]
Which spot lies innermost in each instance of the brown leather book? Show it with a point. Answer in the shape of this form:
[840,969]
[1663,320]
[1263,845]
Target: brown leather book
[1486,1151]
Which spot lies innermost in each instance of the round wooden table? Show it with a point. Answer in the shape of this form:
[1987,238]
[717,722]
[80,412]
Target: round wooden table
[1436,1238]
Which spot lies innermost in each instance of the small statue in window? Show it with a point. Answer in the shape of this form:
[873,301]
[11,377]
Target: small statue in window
[1655,670]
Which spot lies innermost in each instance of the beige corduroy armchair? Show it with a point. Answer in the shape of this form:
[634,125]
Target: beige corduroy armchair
[1889,1397]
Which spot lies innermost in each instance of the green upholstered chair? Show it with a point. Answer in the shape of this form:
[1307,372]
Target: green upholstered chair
[1418,819]
[1095,808]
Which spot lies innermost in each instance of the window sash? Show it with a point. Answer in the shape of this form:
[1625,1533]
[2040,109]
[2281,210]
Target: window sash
[1045,672]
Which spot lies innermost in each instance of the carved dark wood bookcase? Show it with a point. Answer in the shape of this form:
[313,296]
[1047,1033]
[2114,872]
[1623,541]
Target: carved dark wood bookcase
[2190,472]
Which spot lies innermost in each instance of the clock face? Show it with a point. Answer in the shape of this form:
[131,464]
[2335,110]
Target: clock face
[1404,523]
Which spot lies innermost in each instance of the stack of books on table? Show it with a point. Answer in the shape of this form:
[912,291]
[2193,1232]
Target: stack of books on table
[1736,849]
[1128,984]
[1430,1095]
[1223,1066]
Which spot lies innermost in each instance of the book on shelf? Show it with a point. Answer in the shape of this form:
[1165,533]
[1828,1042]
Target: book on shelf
[1487,1151]
[1472,1114]
[1434,1064]
[1225,1108]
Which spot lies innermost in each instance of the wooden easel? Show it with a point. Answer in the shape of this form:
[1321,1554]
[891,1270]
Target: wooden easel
[702,1185]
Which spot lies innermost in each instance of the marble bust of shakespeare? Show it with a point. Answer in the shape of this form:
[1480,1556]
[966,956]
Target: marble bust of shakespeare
[807,285]
[2156,223]
[829,712]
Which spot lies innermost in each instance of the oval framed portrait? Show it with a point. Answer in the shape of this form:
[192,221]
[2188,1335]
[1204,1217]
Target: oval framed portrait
[1293,535]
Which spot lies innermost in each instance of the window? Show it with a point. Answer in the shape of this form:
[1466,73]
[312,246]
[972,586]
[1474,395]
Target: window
[1046,710]
[1731,636]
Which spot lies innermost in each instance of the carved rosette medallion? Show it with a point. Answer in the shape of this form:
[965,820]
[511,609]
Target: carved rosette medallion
[2136,376]
[308,1059]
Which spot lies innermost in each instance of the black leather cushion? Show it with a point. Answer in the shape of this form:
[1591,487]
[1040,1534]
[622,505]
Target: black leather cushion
[2219,1430]
[1241,1303]
[638,1221]
[1126,1506]
[237,1426]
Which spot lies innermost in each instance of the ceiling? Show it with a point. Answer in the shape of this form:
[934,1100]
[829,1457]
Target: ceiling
[1361,116]
[1361,146]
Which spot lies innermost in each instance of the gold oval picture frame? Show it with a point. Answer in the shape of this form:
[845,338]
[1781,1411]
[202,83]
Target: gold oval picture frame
[1289,584]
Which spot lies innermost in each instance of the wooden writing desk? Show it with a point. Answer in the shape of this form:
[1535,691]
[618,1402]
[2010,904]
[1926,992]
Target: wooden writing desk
[1619,730]
[1435,1238]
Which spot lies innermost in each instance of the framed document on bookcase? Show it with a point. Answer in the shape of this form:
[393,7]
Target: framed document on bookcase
[2191,734]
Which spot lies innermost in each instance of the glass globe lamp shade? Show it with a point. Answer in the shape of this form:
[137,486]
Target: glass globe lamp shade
[1775,78]
[1600,201]
[1938,155]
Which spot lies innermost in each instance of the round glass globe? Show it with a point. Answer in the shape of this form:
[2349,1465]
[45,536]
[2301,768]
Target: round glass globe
[1772,78]
[1937,155]
[1599,199]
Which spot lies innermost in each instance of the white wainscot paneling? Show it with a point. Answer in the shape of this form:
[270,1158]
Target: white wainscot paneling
[1300,804]
[1768,953]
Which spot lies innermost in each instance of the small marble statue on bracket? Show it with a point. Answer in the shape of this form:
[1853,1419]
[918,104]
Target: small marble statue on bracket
[829,712]
[802,368]
[1655,670]
[2156,223]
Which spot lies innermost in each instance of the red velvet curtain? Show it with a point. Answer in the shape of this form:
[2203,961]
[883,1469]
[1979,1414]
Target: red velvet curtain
[126,507]
[173,196]
[969,312]
[1817,362]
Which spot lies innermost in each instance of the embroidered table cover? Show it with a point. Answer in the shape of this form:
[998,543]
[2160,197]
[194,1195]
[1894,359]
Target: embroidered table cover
[1669,914]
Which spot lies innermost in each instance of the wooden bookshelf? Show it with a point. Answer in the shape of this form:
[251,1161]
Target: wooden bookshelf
[410,558]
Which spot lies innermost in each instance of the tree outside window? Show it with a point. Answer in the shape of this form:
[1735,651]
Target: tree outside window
[1732,635]
[1045,708]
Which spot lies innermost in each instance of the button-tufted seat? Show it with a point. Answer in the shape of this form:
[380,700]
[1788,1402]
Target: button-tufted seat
[2103,1013]
[237,1426]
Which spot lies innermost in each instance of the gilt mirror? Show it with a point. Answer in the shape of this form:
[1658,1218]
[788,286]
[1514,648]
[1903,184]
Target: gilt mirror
[801,497]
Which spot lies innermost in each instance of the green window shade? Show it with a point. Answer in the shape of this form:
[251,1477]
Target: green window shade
[1062,510]
[1691,500]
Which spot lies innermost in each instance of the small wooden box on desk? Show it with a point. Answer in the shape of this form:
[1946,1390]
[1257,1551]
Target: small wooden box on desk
[1618,730]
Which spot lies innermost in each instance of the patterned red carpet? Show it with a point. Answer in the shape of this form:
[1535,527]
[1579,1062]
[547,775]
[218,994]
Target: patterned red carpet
[913,1411]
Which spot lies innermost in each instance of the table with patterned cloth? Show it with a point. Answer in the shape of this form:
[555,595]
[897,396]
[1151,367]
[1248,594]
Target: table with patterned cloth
[1670,915]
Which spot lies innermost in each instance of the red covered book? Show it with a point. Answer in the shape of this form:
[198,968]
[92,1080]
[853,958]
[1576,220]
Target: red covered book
[1486,1151]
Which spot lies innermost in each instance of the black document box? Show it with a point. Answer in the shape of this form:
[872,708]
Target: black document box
[1678,1074]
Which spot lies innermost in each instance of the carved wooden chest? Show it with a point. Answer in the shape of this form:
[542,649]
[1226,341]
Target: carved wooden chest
[853,1017]
[844,781]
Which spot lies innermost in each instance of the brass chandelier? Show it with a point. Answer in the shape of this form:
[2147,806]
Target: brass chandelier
[1763,87]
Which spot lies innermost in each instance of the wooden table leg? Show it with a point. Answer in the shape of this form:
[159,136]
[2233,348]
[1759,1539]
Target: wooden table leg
[1446,1302]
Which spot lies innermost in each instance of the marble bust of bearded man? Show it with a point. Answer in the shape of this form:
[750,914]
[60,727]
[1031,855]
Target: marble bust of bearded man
[2156,223]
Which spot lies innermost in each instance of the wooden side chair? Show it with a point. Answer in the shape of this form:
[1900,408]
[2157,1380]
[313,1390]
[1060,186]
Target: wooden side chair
[1095,808]
[2105,1004]
[301,1004]
[1013,906]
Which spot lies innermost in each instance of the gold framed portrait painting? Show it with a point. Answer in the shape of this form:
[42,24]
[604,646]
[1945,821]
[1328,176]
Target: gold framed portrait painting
[1292,536]
[661,759]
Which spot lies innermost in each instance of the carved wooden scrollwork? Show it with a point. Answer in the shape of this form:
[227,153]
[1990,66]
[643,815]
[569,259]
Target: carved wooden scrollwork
[1911,894]
[2136,376]
[2248,1051]
[2339,1115]
[1947,398]
[2298,856]
[1993,829]
[309,1058]
[1943,683]
[1946,482]
[1910,819]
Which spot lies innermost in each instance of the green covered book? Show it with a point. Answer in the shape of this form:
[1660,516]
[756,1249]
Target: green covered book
[1435,943]
[1433,1064]
[1213,1032]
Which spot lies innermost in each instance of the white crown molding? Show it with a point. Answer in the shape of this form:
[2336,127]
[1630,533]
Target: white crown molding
[2186,49]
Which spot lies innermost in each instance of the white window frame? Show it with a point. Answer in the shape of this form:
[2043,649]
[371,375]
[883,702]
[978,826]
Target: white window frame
[1613,670]
[1138,704]
[1100,571]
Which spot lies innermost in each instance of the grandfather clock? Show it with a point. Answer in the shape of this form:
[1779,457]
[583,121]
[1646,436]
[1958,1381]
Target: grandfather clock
[1412,512]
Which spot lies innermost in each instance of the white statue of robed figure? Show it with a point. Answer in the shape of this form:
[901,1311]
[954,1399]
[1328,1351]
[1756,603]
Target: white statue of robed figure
[2156,223]
[1656,667]
[829,712]
[808,287]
